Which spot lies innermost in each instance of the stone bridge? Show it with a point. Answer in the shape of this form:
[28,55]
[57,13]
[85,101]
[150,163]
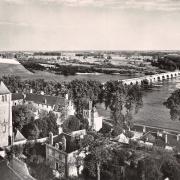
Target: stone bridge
[151,78]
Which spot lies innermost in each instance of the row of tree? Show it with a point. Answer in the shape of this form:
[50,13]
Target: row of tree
[122,100]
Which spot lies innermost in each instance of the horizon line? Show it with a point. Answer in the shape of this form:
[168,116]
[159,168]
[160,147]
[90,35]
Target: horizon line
[44,50]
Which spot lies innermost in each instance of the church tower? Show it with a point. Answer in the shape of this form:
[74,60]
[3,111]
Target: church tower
[5,116]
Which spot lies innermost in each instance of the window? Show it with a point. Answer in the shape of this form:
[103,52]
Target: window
[5,97]
[2,98]
[57,166]
[4,128]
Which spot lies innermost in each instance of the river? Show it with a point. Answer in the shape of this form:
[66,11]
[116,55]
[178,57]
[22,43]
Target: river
[153,111]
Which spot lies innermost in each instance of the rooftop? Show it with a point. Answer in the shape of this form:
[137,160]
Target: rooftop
[14,170]
[45,99]
[17,96]
[18,136]
[3,89]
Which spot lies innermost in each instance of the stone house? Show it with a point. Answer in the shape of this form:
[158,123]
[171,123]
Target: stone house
[17,99]
[62,153]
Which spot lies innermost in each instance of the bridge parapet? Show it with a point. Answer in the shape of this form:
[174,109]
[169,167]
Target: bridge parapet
[152,78]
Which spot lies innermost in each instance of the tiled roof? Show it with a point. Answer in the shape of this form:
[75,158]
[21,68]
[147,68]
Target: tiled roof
[6,173]
[15,170]
[45,99]
[3,89]
[17,96]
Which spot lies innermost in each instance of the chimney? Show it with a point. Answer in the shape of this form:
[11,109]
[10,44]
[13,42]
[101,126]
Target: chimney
[166,139]
[67,96]
[178,137]
[51,138]
[90,105]
[45,101]
[60,130]
[24,95]
[63,143]
[57,145]
[144,129]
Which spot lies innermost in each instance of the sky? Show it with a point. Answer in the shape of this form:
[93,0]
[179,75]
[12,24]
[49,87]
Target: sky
[89,25]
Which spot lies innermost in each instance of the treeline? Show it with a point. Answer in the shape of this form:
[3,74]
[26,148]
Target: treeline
[169,62]
[73,69]
[31,66]
[47,54]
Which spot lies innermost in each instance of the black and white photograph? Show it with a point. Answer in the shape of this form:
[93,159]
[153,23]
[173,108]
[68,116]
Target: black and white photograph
[89,89]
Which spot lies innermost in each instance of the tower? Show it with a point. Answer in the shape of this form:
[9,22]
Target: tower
[87,113]
[5,116]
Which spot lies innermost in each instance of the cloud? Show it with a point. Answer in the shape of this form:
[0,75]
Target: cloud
[159,5]
[11,23]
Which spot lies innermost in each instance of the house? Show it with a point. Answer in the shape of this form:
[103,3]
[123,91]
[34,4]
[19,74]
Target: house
[59,105]
[91,114]
[62,153]
[17,99]
[6,116]
[14,170]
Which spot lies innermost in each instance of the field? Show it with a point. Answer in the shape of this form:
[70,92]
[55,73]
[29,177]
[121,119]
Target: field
[13,69]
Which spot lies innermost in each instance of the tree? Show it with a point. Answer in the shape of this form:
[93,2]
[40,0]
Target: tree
[98,154]
[71,124]
[47,124]
[22,115]
[173,104]
[84,89]
[159,165]
[123,101]
[30,131]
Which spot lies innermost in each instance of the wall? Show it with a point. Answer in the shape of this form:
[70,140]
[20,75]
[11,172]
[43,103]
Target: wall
[97,123]
[5,119]
[56,157]
[73,160]
[70,109]
[17,102]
